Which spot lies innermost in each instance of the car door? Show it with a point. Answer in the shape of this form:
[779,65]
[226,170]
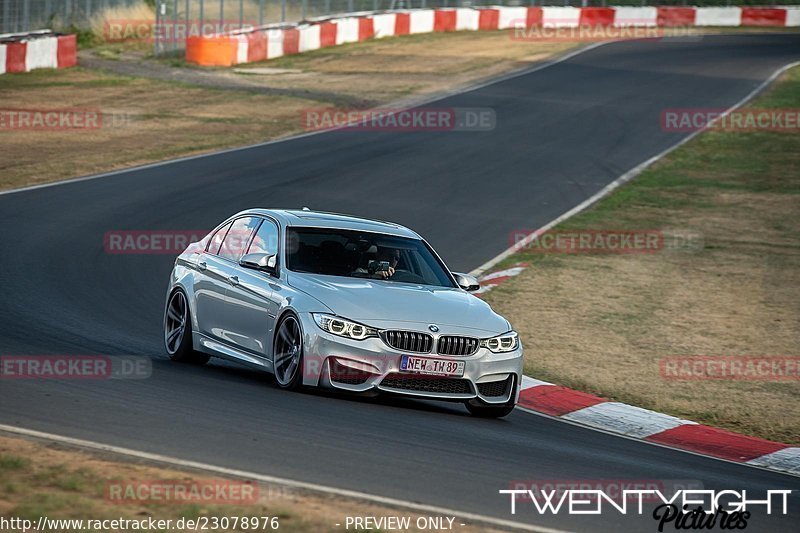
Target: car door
[251,304]
[211,284]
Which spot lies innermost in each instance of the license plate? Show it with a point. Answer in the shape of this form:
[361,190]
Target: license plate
[431,367]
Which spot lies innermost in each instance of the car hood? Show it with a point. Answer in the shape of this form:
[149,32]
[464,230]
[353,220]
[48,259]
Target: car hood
[385,304]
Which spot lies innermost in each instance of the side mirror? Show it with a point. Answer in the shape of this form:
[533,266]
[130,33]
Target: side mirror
[259,261]
[466,282]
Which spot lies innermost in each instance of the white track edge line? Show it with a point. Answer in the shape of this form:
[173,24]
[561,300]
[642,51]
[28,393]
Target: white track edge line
[626,177]
[242,474]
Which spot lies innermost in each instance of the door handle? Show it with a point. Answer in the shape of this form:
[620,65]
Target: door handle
[202,265]
[234,280]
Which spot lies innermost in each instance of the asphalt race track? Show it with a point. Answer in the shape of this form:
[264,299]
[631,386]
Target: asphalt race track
[562,134]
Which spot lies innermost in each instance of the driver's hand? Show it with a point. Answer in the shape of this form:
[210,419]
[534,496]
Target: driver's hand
[386,273]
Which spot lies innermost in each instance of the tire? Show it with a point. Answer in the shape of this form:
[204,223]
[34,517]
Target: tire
[489,411]
[288,353]
[178,331]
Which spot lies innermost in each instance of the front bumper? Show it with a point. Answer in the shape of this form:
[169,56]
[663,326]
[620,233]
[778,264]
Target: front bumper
[372,365]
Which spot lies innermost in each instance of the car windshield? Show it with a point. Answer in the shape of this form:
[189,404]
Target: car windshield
[339,252]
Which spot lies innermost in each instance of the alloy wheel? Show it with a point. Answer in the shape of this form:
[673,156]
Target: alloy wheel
[288,350]
[175,322]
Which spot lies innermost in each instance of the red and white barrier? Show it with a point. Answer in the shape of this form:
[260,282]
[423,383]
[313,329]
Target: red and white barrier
[718,16]
[467,19]
[597,16]
[383,25]
[561,17]
[445,20]
[763,17]
[421,21]
[275,40]
[347,30]
[42,53]
[509,17]
[792,16]
[274,43]
[635,16]
[309,38]
[675,16]
[23,52]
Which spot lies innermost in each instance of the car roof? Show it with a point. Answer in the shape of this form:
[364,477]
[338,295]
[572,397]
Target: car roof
[321,219]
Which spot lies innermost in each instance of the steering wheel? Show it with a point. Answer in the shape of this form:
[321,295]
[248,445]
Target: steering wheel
[404,276]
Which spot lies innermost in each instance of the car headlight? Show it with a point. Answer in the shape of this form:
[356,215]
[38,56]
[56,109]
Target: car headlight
[344,328]
[507,342]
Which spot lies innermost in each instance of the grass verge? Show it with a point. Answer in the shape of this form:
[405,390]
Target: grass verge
[602,323]
[65,484]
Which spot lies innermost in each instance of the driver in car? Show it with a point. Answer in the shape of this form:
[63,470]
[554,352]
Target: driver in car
[381,268]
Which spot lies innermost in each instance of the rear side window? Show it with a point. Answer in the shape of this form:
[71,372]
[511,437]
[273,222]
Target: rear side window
[215,242]
[238,237]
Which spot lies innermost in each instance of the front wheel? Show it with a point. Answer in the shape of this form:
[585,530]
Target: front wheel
[288,354]
[178,331]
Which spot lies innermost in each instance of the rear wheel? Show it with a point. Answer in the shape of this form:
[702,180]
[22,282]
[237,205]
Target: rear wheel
[178,331]
[288,354]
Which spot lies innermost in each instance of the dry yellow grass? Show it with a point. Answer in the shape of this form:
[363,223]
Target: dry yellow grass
[404,67]
[121,16]
[143,121]
[48,480]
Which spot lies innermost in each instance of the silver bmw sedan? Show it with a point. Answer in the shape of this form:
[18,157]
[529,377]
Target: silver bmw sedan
[328,300]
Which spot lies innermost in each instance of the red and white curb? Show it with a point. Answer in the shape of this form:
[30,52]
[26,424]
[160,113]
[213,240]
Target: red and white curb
[23,52]
[634,422]
[490,281]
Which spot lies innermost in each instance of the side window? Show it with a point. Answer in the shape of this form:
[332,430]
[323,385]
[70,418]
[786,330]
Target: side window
[237,238]
[266,239]
[215,241]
